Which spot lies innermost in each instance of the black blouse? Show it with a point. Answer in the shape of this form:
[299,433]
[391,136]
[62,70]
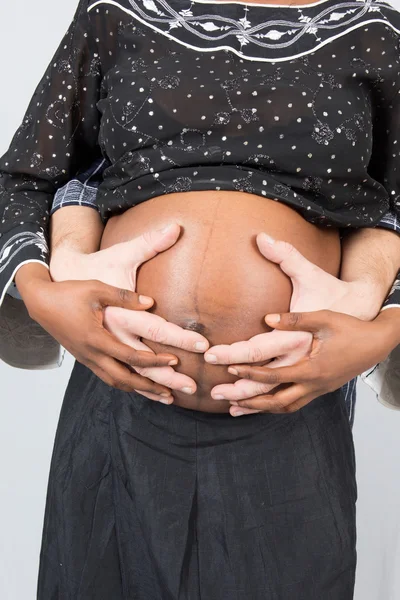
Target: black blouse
[296,103]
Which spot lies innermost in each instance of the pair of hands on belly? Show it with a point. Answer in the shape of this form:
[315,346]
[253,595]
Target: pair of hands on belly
[317,343]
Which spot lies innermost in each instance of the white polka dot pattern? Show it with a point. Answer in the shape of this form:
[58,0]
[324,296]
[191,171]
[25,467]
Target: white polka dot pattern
[58,133]
[299,104]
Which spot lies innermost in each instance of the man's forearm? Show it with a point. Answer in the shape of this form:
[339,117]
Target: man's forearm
[75,229]
[390,318]
[371,259]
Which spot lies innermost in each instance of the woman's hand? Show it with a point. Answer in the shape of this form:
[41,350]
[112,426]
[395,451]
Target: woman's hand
[313,289]
[343,347]
[117,266]
[73,312]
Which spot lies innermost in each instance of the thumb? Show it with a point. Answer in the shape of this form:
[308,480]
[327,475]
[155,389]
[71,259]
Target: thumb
[307,321]
[290,260]
[107,295]
[150,243]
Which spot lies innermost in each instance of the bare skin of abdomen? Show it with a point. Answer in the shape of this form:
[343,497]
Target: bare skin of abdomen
[214,280]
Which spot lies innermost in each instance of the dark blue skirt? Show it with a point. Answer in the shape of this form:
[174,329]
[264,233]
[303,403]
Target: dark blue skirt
[154,502]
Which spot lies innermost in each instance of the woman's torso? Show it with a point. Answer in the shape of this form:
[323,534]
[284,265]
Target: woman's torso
[209,109]
[214,279]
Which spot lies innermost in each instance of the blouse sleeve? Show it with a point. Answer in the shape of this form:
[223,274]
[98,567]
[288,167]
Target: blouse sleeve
[58,135]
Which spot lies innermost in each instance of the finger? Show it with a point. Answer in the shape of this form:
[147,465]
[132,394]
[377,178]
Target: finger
[290,260]
[105,343]
[104,376]
[300,372]
[150,243]
[236,411]
[137,344]
[303,401]
[306,321]
[107,295]
[155,397]
[277,403]
[170,378]
[165,375]
[154,328]
[117,375]
[261,347]
[240,390]
[246,388]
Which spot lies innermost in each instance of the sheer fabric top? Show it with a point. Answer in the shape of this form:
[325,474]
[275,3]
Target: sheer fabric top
[296,103]
[300,104]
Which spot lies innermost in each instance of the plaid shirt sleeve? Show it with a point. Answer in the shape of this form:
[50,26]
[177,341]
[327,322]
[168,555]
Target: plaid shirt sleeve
[82,190]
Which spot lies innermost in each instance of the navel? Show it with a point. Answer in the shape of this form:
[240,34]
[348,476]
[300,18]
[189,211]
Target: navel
[193,325]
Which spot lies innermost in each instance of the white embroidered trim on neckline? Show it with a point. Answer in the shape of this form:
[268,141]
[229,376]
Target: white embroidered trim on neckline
[265,4]
[332,22]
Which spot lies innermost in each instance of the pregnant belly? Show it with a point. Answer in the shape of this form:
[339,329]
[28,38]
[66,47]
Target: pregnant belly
[214,279]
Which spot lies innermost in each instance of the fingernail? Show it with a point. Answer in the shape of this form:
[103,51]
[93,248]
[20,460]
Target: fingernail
[173,362]
[238,414]
[166,400]
[187,390]
[211,358]
[234,402]
[233,371]
[165,394]
[201,346]
[219,397]
[165,228]
[145,299]
[273,318]
[269,239]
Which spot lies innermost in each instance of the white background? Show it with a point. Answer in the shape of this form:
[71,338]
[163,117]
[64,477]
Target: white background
[30,401]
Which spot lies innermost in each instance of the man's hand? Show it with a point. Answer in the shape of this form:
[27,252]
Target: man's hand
[117,266]
[313,289]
